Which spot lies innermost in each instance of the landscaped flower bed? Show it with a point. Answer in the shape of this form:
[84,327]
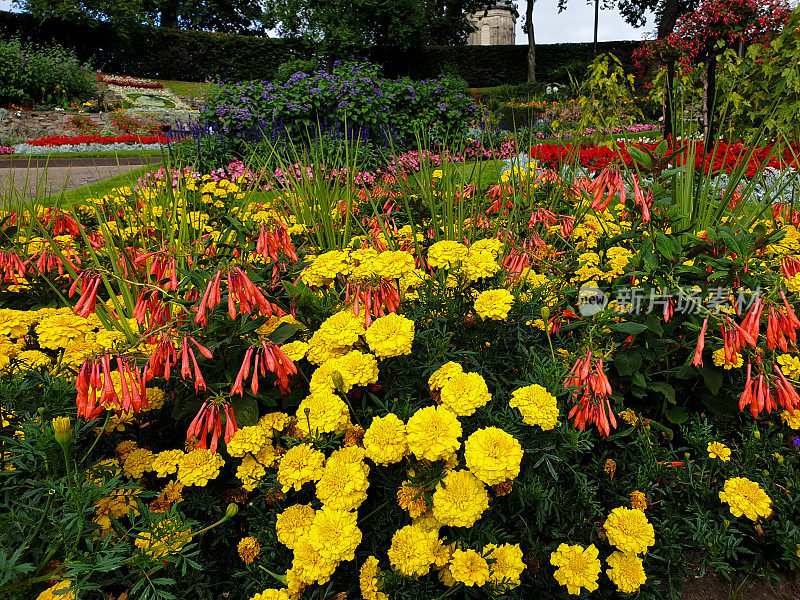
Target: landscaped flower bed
[398,389]
[132,82]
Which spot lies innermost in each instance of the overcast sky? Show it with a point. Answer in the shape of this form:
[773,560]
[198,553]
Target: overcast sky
[576,24]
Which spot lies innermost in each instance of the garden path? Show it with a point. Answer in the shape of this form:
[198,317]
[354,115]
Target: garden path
[39,177]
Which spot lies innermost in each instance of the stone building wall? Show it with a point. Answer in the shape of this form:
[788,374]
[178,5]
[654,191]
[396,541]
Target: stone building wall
[494,25]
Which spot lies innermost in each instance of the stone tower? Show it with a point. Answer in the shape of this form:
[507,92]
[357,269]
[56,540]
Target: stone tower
[494,24]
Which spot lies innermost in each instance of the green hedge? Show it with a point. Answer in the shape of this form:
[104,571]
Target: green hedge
[194,56]
[485,66]
[159,52]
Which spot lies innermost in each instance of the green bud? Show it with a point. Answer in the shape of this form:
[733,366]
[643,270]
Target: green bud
[780,437]
[545,313]
[232,510]
[687,457]
[757,434]
[779,457]
[765,473]
[338,381]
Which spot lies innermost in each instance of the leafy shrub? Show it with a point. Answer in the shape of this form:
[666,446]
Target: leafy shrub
[353,96]
[287,69]
[44,74]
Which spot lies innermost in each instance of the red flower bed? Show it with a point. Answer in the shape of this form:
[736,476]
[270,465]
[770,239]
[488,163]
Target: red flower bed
[63,140]
[129,82]
[726,157]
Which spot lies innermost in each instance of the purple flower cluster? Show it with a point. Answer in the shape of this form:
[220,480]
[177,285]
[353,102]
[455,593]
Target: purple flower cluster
[353,95]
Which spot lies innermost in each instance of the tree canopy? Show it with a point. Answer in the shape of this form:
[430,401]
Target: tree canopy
[228,16]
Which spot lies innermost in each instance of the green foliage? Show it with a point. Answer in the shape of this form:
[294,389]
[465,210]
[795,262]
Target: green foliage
[32,73]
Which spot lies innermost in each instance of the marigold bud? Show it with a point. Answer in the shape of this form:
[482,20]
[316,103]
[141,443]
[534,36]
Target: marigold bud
[232,510]
[63,430]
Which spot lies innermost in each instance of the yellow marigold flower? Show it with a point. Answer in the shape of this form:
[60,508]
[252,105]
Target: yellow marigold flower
[719,450]
[293,524]
[247,439]
[493,245]
[793,284]
[393,264]
[249,549]
[272,422]
[493,455]
[51,592]
[791,419]
[718,356]
[310,566]
[137,463]
[746,498]
[56,331]
[478,264]
[273,595]
[578,567]
[344,482]
[537,406]
[199,466]
[433,433]
[446,253]
[507,566]
[463,393]
[322,412]
[295,350]
[494,304]
[368,580]
[412,499]
[469,567]
[638,500]
[166,538]
[629,417]
[629,530]
[344,372]
[155,399]
[341,330]
[391,335]
[790,366]
[166,462]
[32,359]
[385,440]
[626,571]
[250,472]
[325,268]
[443,374]
[460,499]
[335,534]
[427,521]
[300,465]
[413,550]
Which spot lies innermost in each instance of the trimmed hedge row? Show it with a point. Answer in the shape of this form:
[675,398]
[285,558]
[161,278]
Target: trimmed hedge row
[484,66]
[195,56]
[159,52]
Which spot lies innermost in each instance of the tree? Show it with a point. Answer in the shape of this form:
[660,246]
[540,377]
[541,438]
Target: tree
[228,16]
[531,41]
[339,28]
[702,35]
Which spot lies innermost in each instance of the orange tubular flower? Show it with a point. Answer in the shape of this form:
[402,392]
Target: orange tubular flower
[90,283]
[590,390]
[697,361]
[12,267]
[604,187]
[267,358]
[95,373]
[208,421]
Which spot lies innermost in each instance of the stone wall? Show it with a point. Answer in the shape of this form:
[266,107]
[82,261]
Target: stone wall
[493,27]
[22,125]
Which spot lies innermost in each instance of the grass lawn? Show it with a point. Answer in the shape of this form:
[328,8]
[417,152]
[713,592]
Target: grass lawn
[188,89]
[107,154]
[99,188]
